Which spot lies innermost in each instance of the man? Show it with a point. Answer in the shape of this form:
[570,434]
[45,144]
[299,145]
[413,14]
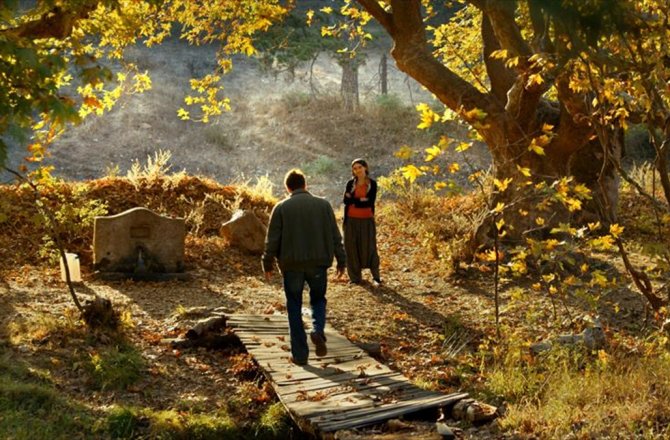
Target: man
[303,236]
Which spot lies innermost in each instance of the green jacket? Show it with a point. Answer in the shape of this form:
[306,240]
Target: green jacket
[302,234]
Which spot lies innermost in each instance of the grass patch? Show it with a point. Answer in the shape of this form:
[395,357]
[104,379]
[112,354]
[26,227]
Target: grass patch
[570,393]
[216,135]
[132,422]
[115,367]
[31,408]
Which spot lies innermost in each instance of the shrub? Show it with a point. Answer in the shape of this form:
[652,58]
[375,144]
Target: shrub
[321,166]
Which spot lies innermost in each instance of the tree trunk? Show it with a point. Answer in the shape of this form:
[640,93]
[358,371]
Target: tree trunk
[349,86]
[383,74]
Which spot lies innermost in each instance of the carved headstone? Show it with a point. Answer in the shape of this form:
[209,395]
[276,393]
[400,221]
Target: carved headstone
[245,230]
[139,241]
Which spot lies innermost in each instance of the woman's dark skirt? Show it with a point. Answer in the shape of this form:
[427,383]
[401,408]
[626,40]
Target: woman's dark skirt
[360,244]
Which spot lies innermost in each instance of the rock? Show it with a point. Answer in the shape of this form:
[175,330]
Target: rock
[447,432]
[473,411]
[244,230]
[395,425]
[593,338]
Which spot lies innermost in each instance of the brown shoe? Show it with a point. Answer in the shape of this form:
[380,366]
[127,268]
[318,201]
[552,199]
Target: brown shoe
[319,342]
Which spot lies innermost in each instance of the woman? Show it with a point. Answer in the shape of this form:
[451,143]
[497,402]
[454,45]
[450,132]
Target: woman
[360,233]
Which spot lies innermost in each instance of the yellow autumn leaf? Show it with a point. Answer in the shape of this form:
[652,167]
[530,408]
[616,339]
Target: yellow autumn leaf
[547,127]
[327,10]
[616,230]
[502,185]
[475,113]
[463,146]
[432,153]
[598,279]
[512,62]
[500,223]
[573,204]
[410,172]
[534,79]
[499,208]
[539,221]
[405,152]
[428,116]
[454,168]
[439,185]
[183,114]
[536,148]
[499,54]
[523,170]
[551,244]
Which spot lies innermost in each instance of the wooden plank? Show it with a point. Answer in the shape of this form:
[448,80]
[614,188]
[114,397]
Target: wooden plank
[344,389]
[383,386]
[344,380]
[385,413]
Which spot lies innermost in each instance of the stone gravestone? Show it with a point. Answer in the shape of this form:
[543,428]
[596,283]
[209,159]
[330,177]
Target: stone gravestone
[139,244]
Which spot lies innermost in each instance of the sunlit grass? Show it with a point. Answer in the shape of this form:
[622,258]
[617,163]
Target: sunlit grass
[115,367]
[560,395]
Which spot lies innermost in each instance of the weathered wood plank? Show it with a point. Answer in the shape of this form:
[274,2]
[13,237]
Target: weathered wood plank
[344,389]
[393,410]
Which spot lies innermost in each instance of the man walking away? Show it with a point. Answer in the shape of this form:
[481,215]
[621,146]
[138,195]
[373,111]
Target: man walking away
[303,237]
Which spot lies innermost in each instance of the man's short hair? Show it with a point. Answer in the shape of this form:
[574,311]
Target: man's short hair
[295,179]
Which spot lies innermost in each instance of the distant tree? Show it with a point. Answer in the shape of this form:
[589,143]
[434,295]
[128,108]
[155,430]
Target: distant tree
[290,43]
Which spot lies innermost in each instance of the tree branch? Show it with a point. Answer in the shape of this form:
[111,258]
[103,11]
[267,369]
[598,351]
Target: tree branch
[376,10]
[55,23]
[501,77]
[540,24]
[414,57]
[508,34]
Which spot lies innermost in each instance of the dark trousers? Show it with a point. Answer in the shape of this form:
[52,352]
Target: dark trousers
[294,283]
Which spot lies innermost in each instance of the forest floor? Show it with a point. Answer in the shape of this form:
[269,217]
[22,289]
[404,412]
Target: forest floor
[418,316]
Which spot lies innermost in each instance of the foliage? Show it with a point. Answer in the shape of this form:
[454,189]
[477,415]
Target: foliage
[441,224]
[55,57]
[288,44]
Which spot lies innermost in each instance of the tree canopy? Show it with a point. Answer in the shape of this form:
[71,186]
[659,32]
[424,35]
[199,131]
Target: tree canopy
[55,56]
[549,86]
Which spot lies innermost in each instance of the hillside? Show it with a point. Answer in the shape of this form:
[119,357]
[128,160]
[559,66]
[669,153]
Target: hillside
[276,122]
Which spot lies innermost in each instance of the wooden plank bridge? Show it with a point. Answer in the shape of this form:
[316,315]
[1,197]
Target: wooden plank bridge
[345,389]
